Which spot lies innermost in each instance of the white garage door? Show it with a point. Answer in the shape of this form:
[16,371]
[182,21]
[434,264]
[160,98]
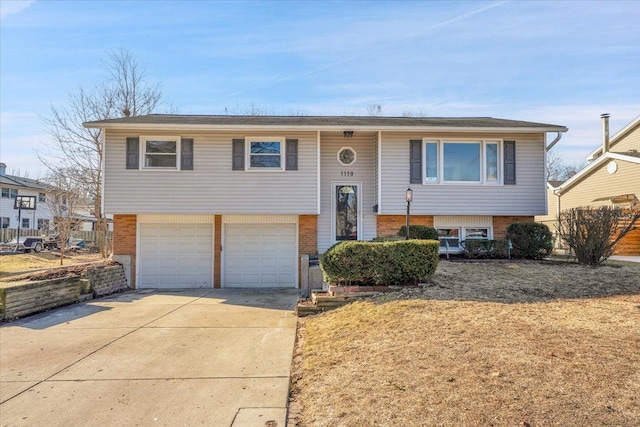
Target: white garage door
[176,256]
[260,255]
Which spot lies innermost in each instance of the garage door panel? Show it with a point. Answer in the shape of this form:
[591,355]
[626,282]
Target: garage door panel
[176,255]
[260,255]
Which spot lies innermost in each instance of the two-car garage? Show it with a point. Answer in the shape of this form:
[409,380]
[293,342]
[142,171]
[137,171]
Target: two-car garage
[179,251]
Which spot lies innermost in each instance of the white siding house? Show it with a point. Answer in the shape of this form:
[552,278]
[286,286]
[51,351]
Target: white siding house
[254,193]
[12,186]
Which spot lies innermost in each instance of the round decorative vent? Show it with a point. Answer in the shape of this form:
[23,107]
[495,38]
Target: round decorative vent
[346,156]
[612,167]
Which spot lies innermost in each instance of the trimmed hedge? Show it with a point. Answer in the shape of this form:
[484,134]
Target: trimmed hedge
[419,232]
[405,262]
[487,249]
[530,240]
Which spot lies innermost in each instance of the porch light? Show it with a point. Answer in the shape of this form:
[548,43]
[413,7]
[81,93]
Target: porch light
[409,195]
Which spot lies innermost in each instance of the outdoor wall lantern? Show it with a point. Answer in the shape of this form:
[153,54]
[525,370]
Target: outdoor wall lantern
[409,199]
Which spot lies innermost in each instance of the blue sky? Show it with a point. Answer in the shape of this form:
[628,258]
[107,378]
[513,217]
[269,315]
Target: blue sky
[553,62]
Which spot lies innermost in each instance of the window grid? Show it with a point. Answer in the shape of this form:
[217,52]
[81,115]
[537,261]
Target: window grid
[470,167]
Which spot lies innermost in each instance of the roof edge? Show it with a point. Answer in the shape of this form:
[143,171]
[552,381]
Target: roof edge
[592,166]
[615,138]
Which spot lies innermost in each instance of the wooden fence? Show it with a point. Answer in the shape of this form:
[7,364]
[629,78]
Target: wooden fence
[90,237]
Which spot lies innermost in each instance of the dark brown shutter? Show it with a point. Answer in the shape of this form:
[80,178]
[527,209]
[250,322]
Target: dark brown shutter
[186,154]
[415,161]
[238,155]
[292,155]
[133,153]
[509,162]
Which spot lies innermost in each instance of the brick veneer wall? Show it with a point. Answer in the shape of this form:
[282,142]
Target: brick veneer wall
[500,224]
[307,238]
[124,240]
[389,225]
[217,251]
[308,234]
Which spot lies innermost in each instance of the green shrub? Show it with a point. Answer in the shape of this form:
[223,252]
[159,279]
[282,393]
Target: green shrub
[395,238]
[487,249]
[531,240]
[419,232]
[405,262]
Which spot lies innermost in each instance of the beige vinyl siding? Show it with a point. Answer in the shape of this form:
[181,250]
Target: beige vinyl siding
[212,187]
[525,198]
[630,142]
[552,211]
[602,184]
[364,168]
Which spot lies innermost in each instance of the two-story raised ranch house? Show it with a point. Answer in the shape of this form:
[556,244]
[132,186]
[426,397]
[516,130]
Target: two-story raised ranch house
[12,186]
[234,201]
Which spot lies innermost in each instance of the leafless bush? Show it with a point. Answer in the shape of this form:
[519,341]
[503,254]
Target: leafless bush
[592,233]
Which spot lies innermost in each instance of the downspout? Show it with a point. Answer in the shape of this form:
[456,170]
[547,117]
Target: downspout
[554,142]
[557,221]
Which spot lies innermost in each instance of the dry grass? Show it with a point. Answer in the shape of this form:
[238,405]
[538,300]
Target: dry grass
[10,264]
[502,344]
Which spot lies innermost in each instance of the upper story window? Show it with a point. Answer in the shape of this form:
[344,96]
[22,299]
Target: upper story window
[42,197]
[461,161]
[265,153]
[160,152]
[9,193]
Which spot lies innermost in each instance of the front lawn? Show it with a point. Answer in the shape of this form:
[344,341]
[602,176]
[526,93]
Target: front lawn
[13,263]
[484,344]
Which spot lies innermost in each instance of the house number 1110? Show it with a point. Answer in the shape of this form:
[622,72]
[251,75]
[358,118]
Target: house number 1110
[346,173]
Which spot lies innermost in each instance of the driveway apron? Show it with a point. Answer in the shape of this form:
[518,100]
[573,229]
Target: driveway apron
[152,358]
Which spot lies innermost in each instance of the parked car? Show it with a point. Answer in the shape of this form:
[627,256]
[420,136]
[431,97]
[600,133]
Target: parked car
[25,244]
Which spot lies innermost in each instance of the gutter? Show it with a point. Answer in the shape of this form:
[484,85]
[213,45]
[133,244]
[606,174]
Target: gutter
[311,128]
[555,141]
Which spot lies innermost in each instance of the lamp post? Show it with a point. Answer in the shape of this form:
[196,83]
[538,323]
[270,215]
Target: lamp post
[409,199]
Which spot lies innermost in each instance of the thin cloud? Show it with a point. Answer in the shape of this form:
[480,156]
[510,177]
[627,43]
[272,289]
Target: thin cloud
[370,51]
[10,7]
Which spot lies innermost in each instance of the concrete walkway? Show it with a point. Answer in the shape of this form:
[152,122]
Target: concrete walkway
[625,258]
[152,358]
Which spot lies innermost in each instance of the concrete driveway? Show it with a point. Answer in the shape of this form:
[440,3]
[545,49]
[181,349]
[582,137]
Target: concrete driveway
[152,358]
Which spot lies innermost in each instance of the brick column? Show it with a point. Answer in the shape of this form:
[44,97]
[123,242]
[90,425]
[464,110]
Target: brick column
[217,258]
[124,240]
[307,237]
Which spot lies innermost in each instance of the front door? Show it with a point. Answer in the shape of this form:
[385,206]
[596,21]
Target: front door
[346,212]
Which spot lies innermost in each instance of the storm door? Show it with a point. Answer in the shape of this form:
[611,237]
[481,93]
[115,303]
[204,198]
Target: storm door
[346,212]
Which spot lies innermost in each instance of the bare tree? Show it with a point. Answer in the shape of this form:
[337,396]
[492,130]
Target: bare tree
[77,152]
[374,110]
[557,170]
[63,201]
[593,233]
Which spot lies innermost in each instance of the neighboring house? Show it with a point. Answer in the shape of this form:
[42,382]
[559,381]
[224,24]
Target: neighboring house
[85,214]
[234,201]
[611,178]
[11,186]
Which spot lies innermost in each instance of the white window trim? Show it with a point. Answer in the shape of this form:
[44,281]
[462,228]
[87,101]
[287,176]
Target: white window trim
[462,235]
[143,152]
[489,233]
[247,153]
[355,156]
[359,230]
[483,164]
